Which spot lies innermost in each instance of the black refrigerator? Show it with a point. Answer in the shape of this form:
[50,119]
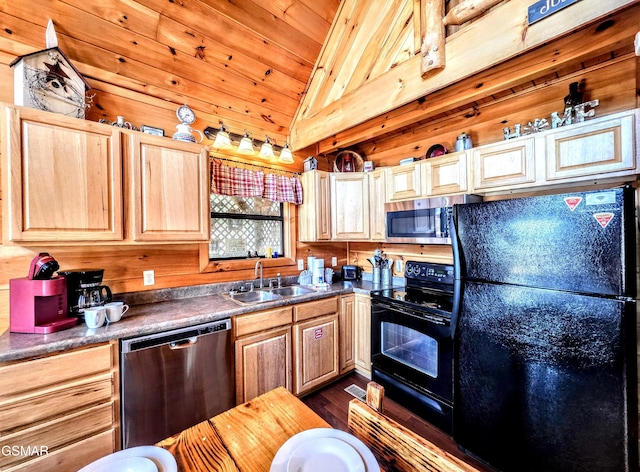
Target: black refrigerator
[545,346]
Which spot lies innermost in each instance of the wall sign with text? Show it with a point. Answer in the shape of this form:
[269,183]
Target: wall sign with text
[544,8]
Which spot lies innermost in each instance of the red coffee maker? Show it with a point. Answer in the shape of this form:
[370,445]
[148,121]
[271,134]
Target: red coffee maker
[38,302]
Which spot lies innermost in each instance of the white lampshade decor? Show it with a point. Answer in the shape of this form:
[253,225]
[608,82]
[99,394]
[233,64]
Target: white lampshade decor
[246,145]
[285,155]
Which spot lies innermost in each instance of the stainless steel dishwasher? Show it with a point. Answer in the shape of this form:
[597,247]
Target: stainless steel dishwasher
[173,380]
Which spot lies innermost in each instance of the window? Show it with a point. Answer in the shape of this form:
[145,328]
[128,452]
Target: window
[243,224]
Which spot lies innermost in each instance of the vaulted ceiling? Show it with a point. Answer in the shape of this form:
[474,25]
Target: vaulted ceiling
[243,62]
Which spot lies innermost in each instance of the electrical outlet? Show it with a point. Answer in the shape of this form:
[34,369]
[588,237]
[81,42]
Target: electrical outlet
[148,277]
[300,264]
[334,261]
[398,266]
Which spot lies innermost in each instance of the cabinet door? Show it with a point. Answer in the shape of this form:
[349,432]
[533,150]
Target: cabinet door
[377,199]
[347,305]
[314,215]
[590,148]
[169,189]
[349,206]
[316,352]
[263,362]
[507,163]
[404,182]
[62,178]
[362,317]
[445,175]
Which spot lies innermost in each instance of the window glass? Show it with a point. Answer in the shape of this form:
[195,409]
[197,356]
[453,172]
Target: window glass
[240,225]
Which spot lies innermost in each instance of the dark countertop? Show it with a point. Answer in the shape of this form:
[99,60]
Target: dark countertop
[145,317]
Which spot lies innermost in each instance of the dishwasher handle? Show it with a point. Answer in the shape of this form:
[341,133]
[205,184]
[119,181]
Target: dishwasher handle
[174,338]
[183,343]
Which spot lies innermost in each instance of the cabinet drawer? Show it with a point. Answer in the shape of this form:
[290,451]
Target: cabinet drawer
[255,322]
[42,372]
[19,412]
[304,311]
[72,457]
[60,432]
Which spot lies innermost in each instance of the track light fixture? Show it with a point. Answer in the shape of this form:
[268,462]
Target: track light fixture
[223,139]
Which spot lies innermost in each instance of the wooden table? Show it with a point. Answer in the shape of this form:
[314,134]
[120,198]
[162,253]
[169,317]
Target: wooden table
[245,438]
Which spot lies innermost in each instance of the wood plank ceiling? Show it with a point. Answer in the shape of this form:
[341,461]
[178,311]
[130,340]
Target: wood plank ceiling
[243,62]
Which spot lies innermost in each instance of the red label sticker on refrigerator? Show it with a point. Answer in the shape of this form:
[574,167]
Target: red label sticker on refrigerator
[572,202]
[603,218]
[317,334]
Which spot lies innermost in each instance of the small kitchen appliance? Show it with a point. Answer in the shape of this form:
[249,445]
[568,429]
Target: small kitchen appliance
[38,302]
[84,289]
[351,272]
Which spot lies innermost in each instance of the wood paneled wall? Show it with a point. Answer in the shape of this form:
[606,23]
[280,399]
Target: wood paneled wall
[612,78]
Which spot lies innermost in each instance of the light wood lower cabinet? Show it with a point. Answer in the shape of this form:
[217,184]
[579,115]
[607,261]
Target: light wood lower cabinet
[59,412]
[362,343]
[263,352]
[316,352]
[295,347]
[347,335]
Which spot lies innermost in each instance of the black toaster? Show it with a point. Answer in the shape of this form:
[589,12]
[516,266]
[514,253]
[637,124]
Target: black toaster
[351,272]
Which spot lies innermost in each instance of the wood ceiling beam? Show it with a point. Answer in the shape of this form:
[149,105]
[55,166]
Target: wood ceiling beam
[551,58]
[499,35]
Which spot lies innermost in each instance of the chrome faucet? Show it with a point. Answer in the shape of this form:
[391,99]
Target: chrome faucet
[258,265]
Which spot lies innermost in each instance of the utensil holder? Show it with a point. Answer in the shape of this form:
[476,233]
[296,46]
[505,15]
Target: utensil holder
[376,276]
[386,277]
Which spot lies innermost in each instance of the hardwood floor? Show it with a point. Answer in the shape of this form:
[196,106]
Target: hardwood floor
[332,403]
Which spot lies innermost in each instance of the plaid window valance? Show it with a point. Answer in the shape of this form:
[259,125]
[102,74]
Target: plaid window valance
[240,182]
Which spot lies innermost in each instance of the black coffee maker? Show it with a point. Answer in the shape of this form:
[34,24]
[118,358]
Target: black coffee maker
[84,289]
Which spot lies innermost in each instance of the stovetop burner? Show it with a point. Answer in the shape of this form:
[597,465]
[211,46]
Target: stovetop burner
[429,287]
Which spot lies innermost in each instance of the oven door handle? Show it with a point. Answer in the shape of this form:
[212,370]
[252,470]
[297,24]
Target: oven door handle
[430,318]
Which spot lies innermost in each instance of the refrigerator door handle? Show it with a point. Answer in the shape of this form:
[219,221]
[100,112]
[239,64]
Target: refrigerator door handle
[455,243]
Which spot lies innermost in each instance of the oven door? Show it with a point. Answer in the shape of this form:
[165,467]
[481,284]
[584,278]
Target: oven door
[414,346]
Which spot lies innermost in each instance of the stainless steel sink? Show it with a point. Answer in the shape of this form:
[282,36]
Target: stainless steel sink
[292,291]
[267,295]
[253,297]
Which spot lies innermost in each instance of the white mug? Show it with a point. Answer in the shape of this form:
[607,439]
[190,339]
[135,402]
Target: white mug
[115,311]
[95,317]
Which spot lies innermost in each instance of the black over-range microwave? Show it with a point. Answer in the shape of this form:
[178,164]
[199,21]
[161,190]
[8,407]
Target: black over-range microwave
[423,221]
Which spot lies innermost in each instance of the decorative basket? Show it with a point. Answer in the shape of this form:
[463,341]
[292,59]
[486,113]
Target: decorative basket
[348,161]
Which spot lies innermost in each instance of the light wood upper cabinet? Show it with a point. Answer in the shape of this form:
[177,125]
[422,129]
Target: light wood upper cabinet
[377,199]
[445,175]
[349,206]
[169,189]
[404,182]
[62,178]
[67,403]
[604,146]
[505,164]
[314,215]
